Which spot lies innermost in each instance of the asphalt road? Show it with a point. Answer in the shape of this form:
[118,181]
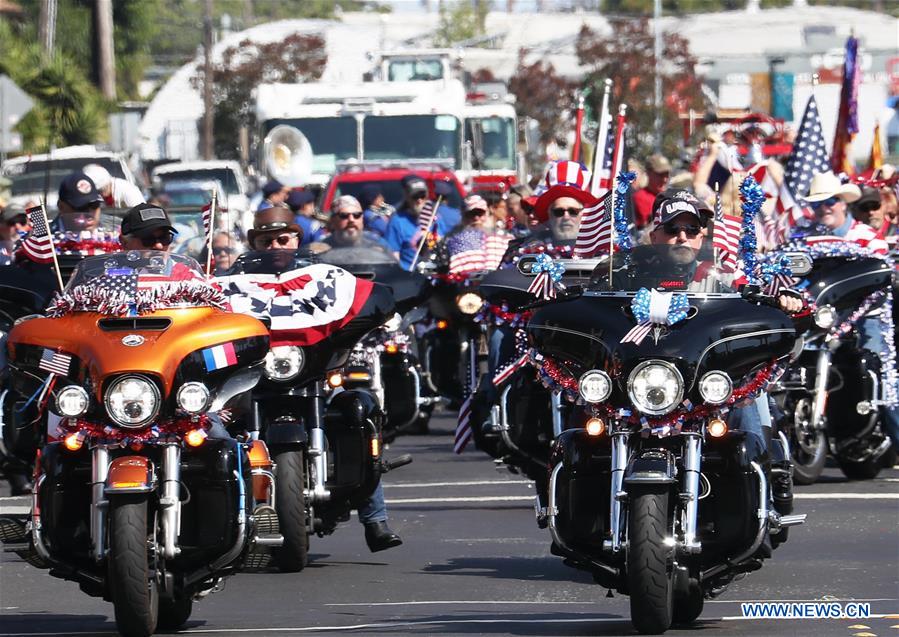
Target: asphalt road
[475,563]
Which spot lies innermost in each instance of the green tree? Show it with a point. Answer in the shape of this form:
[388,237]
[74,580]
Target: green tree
[633,79]
[463,21]
[296,58]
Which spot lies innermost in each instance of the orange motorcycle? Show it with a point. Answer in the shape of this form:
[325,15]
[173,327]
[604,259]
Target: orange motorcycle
[140,494]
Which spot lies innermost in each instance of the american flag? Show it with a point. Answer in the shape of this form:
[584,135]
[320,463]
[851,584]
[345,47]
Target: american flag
[55,362]
[726,237]
[595,230]
[118,282]
[602,165]
[463,426]
[207,219]
[807,158]
[426,216]
[472,250]
[38,245]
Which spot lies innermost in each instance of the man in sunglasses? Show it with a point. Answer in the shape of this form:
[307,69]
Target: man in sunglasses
[275,229]
[147,227]
[13,226]
[403,233]
[346,226]
[79,205]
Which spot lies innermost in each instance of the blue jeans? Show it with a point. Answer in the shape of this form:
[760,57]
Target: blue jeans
[870,332]
[374,509]
[751,418]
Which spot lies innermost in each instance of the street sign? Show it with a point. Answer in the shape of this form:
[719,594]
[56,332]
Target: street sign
[14,104]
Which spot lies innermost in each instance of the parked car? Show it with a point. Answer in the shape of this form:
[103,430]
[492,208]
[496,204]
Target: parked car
[228,173]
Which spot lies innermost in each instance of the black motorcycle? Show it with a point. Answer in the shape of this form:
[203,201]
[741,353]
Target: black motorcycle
[385,362]
[655,495]
[829,397]
[324,440]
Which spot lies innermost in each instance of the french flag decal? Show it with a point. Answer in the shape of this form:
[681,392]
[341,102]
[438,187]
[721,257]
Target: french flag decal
[219,357]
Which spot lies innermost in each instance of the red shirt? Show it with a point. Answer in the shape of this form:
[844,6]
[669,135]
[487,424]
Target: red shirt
[643,199]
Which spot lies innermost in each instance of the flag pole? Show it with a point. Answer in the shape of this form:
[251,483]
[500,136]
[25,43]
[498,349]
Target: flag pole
[52,247]
[715,250]
[427,232]
[212,206]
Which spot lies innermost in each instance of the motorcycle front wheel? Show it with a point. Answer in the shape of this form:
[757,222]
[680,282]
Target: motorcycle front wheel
[290,504]
[174,613]
[135,597]
[808,446]
[649,577]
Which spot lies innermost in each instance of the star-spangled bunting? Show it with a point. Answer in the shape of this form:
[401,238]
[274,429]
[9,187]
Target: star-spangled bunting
[38,246]
[463,424]
[596,227]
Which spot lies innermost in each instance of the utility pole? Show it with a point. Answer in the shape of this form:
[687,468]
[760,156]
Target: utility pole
[104,51]
[47,26]
[208,144]
[657,92]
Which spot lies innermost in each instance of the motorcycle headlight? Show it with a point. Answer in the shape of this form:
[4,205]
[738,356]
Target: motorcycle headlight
[715,387]
[655,387]
[284,362]
[72,401]
[193,397]
[825,317]
[469,303]
[595,386]
[132,401]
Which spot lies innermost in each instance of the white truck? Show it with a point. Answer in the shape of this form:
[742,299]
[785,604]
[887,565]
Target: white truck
[311,129]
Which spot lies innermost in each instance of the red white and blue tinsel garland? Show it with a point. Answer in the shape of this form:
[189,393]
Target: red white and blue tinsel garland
[88,298]
[162,431]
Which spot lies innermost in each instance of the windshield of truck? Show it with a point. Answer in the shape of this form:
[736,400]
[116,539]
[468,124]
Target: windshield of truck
[493,141]
[225,176]
[30,177]
[414,70]
[412,137]
[332,139]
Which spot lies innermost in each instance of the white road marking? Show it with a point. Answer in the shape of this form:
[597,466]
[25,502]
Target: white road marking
[523,498]
[846,496]
[449,602]
[470,483]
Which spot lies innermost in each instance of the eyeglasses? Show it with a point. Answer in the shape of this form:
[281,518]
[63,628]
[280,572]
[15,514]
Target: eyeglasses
[281,240]
[560,212]
[830,203]
[152,240]
[220,250]
[475,212]
[674,230]
[347,215]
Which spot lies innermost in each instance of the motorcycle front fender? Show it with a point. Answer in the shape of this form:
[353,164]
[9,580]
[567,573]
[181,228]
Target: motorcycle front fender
[286,433]
[652,466]
[355,409]
[130,474]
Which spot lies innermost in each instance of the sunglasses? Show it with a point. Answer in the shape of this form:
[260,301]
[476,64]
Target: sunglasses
[475,212]
[91,207]
[347,215]
[220,250]
[560,212]
[152,240]
[674,230]
[281,240]
[830,203]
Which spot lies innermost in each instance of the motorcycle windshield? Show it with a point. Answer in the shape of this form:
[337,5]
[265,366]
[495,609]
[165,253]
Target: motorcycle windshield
[667,268]
[360,255]
[271,262]
[124,277]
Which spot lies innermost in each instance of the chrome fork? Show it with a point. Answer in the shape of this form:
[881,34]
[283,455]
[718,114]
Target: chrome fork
[692,467]
[319,464]
[619,464]
[822,370]
[170,502]
[99,503]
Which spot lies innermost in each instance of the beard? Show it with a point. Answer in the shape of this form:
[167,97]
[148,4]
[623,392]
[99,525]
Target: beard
[682,254]
[565,230]
[347,236]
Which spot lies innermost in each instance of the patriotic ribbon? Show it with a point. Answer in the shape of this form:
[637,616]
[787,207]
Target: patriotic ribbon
[549,273]
[652,308]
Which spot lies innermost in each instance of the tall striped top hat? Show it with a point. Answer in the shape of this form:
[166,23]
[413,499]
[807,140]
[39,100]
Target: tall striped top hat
[564,179]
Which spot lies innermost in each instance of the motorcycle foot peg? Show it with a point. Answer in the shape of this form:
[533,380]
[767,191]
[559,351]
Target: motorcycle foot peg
[396,463]
[792,520]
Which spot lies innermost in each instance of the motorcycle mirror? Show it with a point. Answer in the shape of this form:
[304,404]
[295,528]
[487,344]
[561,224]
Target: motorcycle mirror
[526,264]
[800,263]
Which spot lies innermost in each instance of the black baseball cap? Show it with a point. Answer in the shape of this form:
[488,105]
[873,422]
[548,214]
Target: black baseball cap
[671,203]
[272,187]
[78,190]
[144,218]
[299,198]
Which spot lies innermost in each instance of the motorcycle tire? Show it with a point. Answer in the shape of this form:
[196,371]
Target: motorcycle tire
[650,583]
[689,607]
[290,503]
[865,470]
[135,597]
[807,468]
[174,613]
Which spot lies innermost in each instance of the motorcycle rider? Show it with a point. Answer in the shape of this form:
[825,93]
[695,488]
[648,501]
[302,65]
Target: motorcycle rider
[828,198]
[275,229]
[403,234]
[346,226]
[147,227]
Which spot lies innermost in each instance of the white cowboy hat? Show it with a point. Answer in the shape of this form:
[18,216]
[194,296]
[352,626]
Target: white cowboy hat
[827,185]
